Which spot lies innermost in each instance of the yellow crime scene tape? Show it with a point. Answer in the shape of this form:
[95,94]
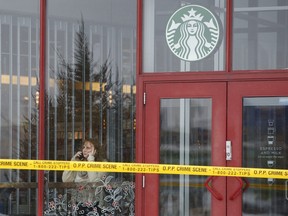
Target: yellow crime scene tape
[143,168]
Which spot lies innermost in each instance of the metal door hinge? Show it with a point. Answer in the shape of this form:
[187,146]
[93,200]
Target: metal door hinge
[144,98]
[228,150]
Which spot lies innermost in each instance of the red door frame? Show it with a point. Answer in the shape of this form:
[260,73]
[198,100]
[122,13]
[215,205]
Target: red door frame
[230,128]
[237,91]
[156,91]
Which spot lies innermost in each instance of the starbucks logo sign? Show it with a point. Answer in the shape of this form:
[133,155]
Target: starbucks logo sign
[192,33]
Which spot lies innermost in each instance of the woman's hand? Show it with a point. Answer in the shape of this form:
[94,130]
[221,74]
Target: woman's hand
[91,155]
[78,156]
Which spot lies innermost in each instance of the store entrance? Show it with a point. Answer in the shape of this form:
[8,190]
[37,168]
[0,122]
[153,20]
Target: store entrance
[193,123]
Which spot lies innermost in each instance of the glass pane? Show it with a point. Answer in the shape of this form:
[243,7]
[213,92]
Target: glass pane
[260,34]
[265,124]
[185,138]
[19,51]
[168,46]
[91,48]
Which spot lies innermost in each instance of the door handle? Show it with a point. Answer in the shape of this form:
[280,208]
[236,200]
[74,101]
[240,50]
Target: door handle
[208,185]
[240,188]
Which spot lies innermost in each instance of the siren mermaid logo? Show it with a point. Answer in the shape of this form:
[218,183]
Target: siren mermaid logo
[192,33]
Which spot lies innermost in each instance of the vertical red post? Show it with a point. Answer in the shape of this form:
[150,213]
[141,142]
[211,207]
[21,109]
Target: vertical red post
[139,38]
[229,38]
[139,98]
[41,132]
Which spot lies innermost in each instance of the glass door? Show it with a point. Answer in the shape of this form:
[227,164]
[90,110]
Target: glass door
[185,124]
[258,122]
[189,123]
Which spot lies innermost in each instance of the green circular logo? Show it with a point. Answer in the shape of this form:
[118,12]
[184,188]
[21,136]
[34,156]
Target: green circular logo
[192,33]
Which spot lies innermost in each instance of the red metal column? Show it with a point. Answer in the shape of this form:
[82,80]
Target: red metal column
[41,133]
[229,38]
[139,205]
[139,37]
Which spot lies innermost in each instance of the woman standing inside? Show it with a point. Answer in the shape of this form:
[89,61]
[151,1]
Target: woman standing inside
[89,194]
[88,153]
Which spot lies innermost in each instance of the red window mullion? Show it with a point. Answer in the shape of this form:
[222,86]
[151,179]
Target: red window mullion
[139,207]
[229,26]
[41,132]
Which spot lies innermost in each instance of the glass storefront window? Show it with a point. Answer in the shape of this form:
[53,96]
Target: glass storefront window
[265,126]
[90,85]
[168,47]
[19,61]
[260,40]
